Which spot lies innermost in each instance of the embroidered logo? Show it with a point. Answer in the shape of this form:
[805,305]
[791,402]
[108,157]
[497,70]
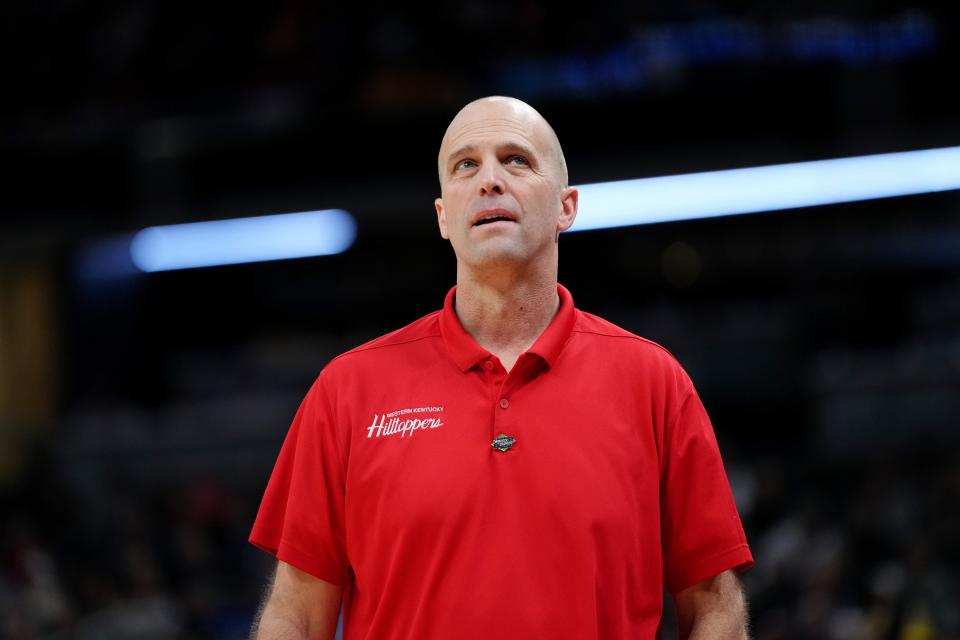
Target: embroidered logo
[404,421]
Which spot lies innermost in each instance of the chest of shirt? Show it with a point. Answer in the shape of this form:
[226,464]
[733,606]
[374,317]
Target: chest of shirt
[421,455]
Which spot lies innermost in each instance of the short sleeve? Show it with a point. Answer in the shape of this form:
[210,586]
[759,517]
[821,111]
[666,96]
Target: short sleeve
[301,517]
[701,530]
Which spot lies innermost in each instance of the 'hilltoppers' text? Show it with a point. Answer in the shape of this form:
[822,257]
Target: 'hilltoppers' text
[389,424]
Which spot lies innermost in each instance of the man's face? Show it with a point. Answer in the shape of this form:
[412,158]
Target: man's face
[503,200]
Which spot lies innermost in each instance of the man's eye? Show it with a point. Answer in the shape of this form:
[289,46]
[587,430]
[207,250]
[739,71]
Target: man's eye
[465,164]
[517,160]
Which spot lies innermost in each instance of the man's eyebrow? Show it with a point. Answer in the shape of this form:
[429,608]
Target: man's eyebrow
[522,149]
[462,151]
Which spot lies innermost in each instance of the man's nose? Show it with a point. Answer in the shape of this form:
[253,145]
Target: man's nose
[491,179]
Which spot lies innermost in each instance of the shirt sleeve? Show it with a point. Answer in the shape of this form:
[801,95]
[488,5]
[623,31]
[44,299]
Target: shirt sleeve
[701,530]
[301,517]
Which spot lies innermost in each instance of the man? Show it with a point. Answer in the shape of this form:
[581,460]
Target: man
[508,467]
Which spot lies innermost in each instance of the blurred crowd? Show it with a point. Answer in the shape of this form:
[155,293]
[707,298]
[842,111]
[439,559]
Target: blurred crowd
[859,552]
[167,564]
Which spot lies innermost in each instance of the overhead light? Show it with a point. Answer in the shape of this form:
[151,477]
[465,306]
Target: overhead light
[769,188]
[240,240]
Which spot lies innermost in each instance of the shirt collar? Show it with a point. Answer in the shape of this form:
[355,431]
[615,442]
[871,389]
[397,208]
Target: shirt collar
[466,353]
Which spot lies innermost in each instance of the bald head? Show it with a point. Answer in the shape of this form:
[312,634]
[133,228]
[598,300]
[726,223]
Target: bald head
[511,110]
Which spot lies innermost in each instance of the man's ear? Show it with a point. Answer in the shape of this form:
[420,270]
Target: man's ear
[568,212]
[441,218]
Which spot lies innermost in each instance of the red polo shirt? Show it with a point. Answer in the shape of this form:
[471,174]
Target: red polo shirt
[387,484]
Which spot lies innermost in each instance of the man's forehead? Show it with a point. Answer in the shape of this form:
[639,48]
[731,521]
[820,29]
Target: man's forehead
[499,121]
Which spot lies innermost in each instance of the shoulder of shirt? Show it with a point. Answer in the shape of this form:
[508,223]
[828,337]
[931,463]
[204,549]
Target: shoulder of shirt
[422,329]
[637,349]
[590,325]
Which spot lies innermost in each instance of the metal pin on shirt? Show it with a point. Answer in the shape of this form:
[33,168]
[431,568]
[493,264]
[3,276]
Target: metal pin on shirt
[503,442]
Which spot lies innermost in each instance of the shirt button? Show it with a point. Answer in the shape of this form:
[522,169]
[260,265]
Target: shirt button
[488,365]
[504,403]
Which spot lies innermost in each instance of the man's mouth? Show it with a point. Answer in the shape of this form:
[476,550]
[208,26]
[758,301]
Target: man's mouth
[492,219]
[489,217]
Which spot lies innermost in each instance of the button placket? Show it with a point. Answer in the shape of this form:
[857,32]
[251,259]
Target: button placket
[504,427]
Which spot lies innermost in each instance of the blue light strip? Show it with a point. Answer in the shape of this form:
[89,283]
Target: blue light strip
[770,188]
[240,240]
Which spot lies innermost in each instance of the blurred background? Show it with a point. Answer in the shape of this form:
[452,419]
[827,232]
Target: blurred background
[141,413]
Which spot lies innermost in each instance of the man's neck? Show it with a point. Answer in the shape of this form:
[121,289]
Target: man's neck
[507,316]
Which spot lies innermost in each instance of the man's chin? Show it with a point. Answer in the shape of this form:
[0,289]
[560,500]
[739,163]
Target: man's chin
[502,256]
